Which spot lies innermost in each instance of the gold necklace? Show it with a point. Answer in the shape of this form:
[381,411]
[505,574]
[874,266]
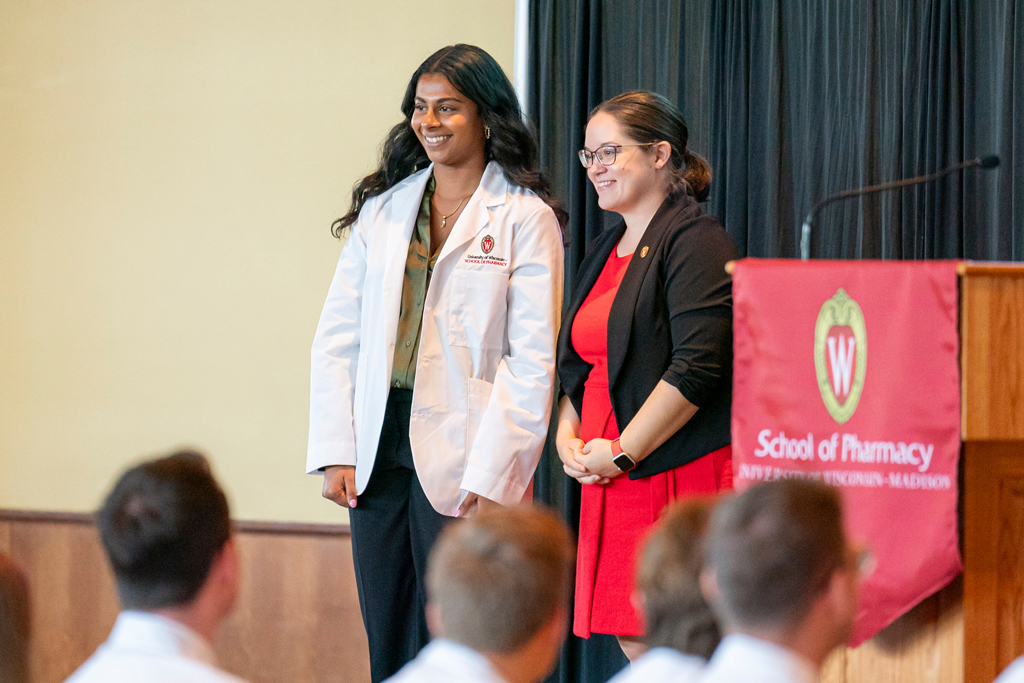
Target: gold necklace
[444,218]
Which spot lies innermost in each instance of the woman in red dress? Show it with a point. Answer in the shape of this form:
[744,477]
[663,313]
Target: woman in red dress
[645,352]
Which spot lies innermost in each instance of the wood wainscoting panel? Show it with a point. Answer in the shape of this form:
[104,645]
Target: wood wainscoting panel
[297,618]
[72,592]
[993,556]
[925,645]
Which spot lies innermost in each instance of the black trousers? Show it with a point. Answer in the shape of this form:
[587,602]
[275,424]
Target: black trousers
[393,528]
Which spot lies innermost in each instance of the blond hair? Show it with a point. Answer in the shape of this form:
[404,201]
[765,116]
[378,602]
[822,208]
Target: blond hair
[499,577]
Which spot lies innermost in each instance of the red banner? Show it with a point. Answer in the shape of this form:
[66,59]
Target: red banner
[846,371]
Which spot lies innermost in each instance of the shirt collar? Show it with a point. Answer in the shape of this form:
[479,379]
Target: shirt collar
[745,657]
[449,655]
[494,186]
[145,632]
[658,662]
[669,654]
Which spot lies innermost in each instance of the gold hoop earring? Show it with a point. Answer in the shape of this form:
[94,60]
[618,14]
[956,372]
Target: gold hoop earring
[487,132]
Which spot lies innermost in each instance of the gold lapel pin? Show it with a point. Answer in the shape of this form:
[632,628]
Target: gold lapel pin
[643,252]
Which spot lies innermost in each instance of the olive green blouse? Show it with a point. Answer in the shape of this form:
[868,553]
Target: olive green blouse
[419,265]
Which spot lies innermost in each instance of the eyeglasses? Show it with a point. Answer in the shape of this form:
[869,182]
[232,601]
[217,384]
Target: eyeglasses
[860,560]
[866,562]
[605,154]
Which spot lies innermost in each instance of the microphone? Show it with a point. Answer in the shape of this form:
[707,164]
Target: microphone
[989,161]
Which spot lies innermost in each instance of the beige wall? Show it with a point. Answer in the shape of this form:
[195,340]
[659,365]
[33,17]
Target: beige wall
[168,174]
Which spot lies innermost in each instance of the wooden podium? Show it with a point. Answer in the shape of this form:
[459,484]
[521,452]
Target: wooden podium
[992,405]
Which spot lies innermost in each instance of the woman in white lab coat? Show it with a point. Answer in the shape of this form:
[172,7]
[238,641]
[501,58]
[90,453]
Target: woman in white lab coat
[433,364]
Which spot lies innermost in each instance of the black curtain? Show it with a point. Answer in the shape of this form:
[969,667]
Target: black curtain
[791,101]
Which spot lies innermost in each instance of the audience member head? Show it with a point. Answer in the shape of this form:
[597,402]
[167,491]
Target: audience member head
[781,566]
[14,622]
[499,583]
[167,531]
[668,581]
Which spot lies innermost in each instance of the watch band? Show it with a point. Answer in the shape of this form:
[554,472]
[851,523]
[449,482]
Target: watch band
[621,459]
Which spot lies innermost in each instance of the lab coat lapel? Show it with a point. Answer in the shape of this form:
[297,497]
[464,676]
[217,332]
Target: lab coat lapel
[490,194]
[405,206]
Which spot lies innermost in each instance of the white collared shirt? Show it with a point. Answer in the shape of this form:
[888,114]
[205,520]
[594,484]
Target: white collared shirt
[662,665]
[745,659]
[147,647]
[445,661]
[1013,673]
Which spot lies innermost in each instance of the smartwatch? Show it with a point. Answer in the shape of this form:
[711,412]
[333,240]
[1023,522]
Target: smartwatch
[620,459]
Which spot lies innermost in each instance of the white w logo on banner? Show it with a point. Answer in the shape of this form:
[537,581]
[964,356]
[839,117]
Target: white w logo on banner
[841,360]
[840,355]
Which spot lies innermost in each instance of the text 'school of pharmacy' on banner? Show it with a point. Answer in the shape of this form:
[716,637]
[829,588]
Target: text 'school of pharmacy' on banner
[846,371]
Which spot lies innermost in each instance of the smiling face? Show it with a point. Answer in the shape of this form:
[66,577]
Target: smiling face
[447,123]
[636,173]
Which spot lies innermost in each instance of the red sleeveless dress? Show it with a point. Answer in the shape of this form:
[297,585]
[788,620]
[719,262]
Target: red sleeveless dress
[614,518]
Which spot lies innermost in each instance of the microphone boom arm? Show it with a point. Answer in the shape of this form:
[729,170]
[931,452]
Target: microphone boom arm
[805,232]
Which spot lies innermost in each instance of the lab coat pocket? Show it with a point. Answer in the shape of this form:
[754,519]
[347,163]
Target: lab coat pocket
[478,309]
[478,393]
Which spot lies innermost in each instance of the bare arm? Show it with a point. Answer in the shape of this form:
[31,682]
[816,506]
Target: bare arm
[663,414]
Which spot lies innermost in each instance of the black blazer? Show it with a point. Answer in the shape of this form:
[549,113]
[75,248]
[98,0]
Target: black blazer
[671,320]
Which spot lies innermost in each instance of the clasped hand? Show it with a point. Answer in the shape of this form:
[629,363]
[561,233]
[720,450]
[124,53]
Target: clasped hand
[590,462]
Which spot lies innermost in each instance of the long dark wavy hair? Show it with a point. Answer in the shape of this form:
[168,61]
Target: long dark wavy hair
[649,117]
[475,74]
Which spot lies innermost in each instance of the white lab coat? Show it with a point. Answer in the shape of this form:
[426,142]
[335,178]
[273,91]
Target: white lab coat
[486,366]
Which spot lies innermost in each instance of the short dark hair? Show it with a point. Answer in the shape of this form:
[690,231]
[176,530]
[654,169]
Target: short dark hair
[668,578]
[14,622]
[774,549]
[649,117]
[500,576]
[162,526]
